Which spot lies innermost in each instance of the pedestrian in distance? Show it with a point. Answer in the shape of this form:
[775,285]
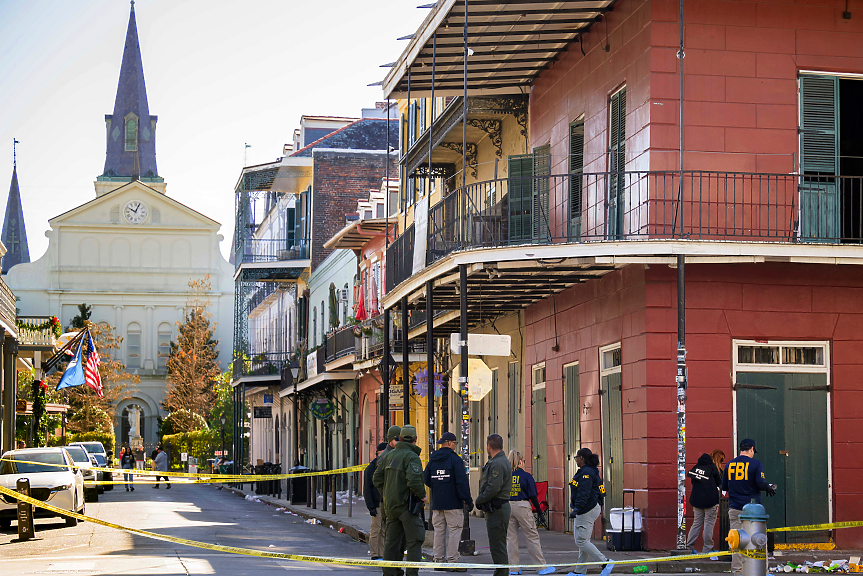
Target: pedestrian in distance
[495,484]
[21,445]
[373,503]
[587,495]
[522,494]
[744,481]
[139,458]
[704,498]
[160,463]
[446,475]
[399,477]
[127,461]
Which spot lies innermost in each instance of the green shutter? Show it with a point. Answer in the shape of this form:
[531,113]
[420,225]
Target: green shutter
[541,170]
[422,115]
[492,405]
[514,400]
[538,426]
[612,440]
[576,168]
[819,158]
[571,417]
[616,163]
[520,192]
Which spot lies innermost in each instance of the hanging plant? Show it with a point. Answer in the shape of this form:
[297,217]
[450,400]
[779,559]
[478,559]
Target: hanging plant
[40,421]
[51,323]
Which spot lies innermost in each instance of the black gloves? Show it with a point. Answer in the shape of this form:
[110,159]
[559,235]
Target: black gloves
[573,514]
[771,490]
[541,518]
[373,512]
[468,507]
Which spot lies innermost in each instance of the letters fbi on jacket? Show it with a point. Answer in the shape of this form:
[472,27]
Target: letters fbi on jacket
[441,475]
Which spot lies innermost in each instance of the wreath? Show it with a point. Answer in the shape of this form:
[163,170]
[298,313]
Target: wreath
[51,323]
[39,391]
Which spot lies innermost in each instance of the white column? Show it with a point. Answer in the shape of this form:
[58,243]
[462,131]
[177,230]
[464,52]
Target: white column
[149,339]
[119,329]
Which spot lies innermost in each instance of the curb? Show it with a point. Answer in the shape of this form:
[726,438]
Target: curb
[351,531]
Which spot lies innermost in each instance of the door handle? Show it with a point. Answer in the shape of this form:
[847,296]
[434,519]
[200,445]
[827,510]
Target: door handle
[783,452]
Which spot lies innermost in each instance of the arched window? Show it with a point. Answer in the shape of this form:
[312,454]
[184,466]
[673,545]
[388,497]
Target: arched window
[164,345]
[133,345]
[131,134]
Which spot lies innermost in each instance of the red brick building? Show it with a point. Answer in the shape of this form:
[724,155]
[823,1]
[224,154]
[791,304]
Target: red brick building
[765,207]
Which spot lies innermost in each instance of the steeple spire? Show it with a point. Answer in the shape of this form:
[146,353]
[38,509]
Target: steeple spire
[131,142]
[14,235]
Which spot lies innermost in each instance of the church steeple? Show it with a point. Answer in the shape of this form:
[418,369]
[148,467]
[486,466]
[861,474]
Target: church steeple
[14,235]
[131,130]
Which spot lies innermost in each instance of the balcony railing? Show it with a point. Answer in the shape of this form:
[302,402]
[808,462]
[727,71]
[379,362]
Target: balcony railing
[621,206]
[256,250]
[30,332]
[371,342]
[260,363]
[340,343]
[8,311]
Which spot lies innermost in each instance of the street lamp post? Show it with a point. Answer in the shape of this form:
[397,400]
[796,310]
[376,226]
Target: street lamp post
[222,420]
[295,372]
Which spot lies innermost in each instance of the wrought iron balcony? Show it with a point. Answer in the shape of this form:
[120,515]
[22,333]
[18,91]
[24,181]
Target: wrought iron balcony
[257,250]
[37,332]
[8,311]
[341,342]
[632,206]
[259,363]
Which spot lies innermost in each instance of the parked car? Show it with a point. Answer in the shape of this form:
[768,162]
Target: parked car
[85,462]
[97,451]
[62,487]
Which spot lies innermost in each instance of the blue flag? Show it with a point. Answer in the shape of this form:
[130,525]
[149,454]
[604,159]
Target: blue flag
[74,374]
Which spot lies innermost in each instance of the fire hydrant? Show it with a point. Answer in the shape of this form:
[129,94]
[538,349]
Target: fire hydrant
[753,536]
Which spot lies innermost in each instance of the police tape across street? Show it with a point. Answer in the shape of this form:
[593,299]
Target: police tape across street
[347,561]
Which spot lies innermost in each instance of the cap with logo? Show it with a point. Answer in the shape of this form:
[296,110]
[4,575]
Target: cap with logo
[408,432]
[447,437]
[748,443]
[393,433]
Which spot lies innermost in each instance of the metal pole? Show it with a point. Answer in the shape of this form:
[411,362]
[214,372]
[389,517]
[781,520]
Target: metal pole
[466,546]
[464,104]
[8,440]
[351,489]
[431,121]
[681,404]
[385,376]
[430,383]
[406,383]
[333,486]
[243,427]
[387,185]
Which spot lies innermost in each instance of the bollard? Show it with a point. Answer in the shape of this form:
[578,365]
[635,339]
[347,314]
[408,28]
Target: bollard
[26,528]
[752,536]
[324,480]
[333,483]
[314,496]
[350,495]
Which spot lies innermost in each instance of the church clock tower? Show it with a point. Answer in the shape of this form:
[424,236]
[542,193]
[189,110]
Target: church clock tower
[130,152]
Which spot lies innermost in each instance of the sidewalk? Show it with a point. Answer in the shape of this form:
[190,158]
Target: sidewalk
[556,546]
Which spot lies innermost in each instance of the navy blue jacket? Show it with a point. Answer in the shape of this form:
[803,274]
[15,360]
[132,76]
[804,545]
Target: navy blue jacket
[743,479]
[370,493]
[445,474]
[586,490]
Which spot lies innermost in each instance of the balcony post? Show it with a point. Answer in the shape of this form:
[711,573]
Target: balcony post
[430,380]
[681,403]
[466,545]
[385,375]
[406,384]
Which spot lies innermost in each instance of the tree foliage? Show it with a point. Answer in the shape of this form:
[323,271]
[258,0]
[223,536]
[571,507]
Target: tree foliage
[79,321]
[182,420]
[91,419]
[193,368]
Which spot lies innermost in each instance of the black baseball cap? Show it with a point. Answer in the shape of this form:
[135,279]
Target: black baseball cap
[748,443]
[447,437]
[382,446]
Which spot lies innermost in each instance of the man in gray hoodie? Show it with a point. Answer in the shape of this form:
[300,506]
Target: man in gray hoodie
[161,465]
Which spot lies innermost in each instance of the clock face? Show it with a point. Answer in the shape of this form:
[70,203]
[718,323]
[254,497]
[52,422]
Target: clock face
[135,211]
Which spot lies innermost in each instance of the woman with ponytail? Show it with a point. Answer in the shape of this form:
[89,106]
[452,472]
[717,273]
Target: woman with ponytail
[586,497]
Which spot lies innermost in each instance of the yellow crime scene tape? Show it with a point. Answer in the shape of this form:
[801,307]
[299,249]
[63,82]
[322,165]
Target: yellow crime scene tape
[813,527]
[350,561]
[224,477]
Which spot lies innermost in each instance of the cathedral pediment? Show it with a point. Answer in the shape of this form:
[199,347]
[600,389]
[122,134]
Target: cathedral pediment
[134,205]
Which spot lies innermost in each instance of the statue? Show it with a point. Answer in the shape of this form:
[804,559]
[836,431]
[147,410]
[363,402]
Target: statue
[134,416]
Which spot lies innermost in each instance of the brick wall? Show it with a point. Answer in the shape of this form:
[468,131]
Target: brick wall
[341,177]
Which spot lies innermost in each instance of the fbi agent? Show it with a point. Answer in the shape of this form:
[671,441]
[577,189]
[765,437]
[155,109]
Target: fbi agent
[744,481]
[587,495]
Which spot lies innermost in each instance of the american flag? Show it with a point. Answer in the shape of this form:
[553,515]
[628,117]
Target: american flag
[91,370]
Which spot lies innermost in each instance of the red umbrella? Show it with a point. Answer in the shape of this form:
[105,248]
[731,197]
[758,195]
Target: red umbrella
[361,307]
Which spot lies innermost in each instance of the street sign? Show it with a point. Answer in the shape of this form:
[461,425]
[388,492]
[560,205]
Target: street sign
[268,399]
[482,344]
[479,379]
[184,456]
[20,406]
[263,411]
[397,397]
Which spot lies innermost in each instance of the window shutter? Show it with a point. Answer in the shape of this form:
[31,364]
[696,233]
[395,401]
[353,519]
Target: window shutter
[520,185]
[819,123]
[576,168]
[412,123]
[617,138]
[422,115]
[541,169]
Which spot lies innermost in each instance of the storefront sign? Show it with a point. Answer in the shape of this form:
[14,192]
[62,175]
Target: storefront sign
[263,411]
[421,384]
[397,396]
[323,409]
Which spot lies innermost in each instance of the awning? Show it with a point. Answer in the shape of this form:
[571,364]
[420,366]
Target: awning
[325,377]
[512,43]
[356,234]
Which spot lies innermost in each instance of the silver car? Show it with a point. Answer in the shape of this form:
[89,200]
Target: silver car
[97,451]
[85,463]
[57,481]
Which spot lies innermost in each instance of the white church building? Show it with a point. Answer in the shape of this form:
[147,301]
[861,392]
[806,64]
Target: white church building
[130,253]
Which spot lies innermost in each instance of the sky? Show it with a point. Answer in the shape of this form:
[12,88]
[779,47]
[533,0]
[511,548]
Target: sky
[219,74]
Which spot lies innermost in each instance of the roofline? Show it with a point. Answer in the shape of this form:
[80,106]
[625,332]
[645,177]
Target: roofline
[333,133]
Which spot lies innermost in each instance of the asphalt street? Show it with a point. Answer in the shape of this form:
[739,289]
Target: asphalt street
[198,512]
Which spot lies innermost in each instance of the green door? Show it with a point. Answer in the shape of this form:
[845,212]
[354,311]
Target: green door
[541,171]
[539,446]
[819,159]
[786,415]
[520,198]
[514,402]
[571,412]
[612,441]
